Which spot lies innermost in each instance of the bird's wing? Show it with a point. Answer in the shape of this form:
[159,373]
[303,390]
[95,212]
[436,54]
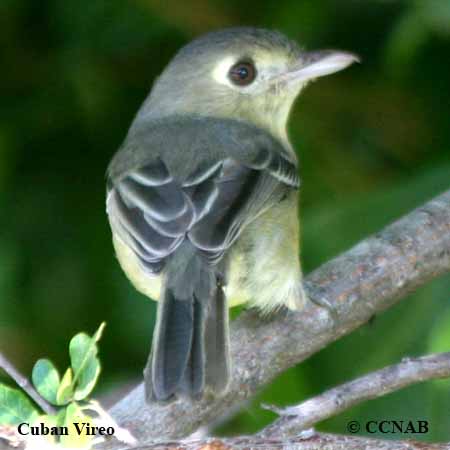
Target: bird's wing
[154,208]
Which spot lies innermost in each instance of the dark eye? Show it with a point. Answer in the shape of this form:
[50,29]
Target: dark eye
[242,73]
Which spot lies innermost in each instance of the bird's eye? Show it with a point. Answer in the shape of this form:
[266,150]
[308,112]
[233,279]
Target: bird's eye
[242,73]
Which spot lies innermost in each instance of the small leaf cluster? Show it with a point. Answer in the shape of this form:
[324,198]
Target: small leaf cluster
[69,393]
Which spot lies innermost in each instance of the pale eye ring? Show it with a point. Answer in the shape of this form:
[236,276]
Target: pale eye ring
[242,73]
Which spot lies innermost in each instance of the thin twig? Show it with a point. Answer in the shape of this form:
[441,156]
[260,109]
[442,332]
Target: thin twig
[366,280]
[24,383]
[294,419]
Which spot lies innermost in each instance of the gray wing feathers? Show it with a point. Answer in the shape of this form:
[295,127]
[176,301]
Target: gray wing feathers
[150,213]
[192,147]
[205,196]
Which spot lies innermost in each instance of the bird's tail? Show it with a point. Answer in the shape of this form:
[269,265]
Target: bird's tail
[190,341]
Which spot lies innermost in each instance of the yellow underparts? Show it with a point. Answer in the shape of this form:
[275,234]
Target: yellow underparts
[264,267]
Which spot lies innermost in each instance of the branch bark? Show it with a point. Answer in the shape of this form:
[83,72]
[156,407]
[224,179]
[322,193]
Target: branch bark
[10,440]
[364,281]
[295,419]
[316,442]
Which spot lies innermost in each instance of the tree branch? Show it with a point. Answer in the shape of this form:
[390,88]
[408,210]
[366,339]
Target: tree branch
[24,383]
[316,441]
[295,419]
[364,281]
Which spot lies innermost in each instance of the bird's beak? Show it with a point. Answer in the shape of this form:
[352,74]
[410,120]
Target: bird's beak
[317,64]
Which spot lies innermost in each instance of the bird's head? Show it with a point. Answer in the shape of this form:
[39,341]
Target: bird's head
[241,73]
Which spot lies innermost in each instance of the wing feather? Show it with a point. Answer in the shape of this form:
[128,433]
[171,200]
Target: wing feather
[157,205]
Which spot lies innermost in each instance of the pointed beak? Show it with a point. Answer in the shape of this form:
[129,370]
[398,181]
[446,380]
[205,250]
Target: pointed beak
[318,64]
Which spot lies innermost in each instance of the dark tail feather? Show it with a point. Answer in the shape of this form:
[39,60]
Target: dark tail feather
[193,382]
[172,345]
[190,342]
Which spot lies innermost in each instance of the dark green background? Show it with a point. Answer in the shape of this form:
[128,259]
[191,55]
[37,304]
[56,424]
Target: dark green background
[373,142]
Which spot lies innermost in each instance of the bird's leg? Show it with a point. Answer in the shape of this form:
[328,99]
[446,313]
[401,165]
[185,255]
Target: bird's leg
[322,302]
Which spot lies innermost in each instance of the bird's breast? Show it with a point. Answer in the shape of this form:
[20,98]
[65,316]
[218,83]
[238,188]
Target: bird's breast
[264,268]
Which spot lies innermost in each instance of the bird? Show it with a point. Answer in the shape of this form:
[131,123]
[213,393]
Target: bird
[202,198]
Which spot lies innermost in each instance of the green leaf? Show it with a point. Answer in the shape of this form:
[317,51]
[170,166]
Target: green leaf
[87,380]
[85,364]
[15,407]
[46,379]
[65,390]
[61,416]
[71,412]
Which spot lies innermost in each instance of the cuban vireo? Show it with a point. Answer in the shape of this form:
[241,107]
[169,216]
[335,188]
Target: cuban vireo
[203,198]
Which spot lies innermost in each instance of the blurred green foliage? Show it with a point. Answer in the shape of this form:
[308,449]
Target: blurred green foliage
[373,142]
